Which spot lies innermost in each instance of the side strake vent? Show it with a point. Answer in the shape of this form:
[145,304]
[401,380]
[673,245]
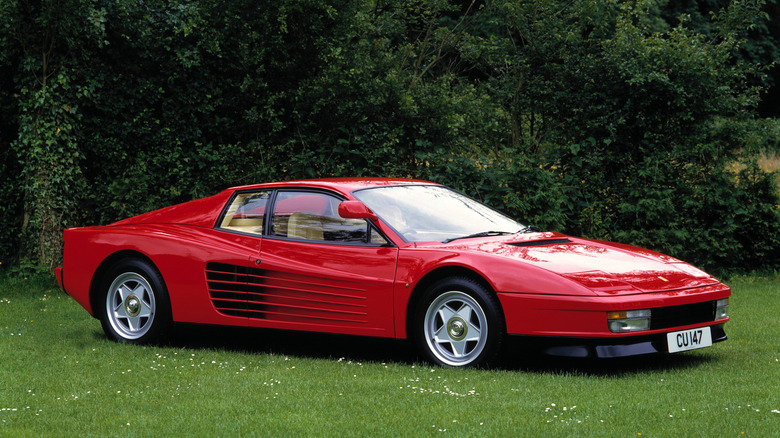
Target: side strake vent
[541,242]
[262,294]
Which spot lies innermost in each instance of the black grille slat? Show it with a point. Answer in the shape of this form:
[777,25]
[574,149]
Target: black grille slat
[676,316]
[234,312]
[225,295]
[290,310]
[226,277]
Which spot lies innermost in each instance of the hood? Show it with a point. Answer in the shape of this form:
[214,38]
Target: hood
[603,267]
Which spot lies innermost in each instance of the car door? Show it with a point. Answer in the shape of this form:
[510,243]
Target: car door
[231,261]
[320,272]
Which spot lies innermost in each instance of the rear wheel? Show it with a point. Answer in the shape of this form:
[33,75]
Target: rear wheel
[459,324]
[135,308]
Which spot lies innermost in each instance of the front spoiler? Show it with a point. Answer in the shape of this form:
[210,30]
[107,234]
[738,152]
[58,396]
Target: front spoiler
[606,347]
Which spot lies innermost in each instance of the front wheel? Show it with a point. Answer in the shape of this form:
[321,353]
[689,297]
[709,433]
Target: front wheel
[459,324]
[136,307]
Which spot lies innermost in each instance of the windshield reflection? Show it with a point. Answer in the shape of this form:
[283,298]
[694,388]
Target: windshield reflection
[422,213]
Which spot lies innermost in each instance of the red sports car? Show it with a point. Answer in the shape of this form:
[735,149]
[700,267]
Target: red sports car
[391,258]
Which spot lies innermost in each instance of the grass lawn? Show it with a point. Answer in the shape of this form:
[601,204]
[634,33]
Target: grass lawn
[60,376]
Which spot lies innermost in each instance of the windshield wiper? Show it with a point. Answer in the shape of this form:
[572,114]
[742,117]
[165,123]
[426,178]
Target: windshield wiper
[530,229]
[481,234]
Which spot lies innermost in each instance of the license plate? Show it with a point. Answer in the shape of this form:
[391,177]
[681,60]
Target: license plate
[692,339]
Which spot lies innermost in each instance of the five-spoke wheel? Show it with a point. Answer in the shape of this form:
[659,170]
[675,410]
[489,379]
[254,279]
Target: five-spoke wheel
[130,305]
[136,308]
[459,323]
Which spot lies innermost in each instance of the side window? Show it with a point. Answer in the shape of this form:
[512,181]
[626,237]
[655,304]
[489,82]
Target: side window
[314,216]
[246,213]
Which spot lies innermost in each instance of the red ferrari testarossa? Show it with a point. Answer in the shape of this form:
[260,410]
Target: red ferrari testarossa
[390,258]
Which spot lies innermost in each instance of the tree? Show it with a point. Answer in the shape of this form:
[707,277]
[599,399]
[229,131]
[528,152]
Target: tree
[638,125]
[45,42]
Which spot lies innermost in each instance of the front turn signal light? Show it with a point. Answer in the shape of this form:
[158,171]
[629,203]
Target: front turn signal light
[626,321]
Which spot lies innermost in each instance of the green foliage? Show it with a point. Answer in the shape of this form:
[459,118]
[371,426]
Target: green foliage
[50,155]
[44,43]
[637,125]
[611,120]
[9,208]
[760,39]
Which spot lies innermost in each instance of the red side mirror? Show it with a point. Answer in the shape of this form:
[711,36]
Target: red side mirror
[356,210]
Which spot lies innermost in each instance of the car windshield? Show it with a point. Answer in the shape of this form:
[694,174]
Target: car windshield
[421,213]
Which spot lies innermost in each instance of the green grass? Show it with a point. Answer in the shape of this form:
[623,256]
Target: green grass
[60,376]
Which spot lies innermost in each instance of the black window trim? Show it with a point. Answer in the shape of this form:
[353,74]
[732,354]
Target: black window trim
[230,202]
[271,205]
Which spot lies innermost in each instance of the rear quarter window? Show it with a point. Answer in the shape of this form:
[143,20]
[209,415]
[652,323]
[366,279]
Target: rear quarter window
[246,213]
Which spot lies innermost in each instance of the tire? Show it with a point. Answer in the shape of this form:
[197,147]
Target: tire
[459,324]
[135,307]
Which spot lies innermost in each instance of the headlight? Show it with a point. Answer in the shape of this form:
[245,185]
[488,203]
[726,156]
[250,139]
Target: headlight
[628,320]
[722,308]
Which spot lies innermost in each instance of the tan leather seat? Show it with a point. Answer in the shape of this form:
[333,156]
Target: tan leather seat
[306,226]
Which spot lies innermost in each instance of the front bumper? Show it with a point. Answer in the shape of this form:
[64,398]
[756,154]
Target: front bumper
[605,347]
